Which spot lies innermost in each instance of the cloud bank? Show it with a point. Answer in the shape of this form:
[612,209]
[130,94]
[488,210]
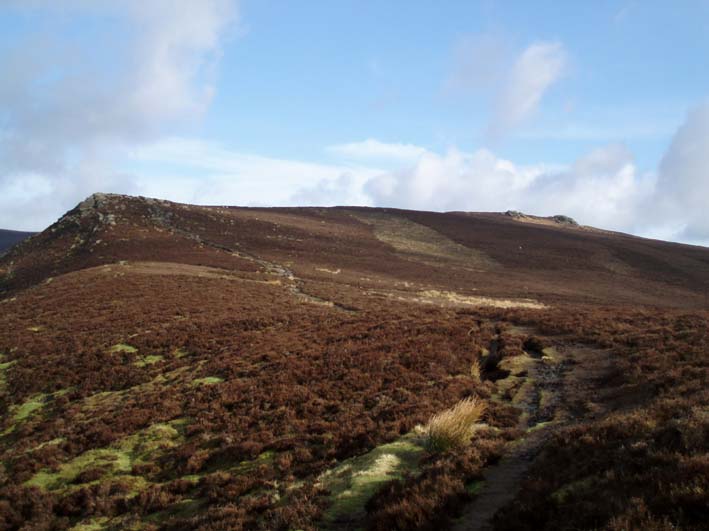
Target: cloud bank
[683,181]
[602,188]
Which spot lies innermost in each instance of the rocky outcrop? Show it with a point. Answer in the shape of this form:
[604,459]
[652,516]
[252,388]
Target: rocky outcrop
[564,220]
[559,219]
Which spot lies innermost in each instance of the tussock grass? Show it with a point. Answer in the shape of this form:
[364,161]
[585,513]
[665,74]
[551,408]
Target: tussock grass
[475,369]
[454,427]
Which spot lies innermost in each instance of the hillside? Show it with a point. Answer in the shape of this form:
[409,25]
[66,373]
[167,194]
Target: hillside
[168,366]
[8,238]
[488,254]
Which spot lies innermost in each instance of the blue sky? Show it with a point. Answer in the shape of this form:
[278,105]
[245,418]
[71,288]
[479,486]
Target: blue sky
[340,71]
[597,110]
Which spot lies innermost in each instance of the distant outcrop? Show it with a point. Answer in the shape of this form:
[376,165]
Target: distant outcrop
[559,219]
[564,220]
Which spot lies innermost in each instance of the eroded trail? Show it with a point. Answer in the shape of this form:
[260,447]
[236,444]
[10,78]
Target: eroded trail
[555,388]
[293,284]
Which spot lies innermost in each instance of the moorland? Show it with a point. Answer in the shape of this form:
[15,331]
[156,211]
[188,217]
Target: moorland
[167,366]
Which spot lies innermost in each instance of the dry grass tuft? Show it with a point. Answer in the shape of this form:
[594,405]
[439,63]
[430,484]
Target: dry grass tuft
[454,427]
[475,369]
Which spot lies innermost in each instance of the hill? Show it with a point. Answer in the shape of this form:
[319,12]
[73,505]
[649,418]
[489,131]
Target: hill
[169,366]
[484,254]
[8,238]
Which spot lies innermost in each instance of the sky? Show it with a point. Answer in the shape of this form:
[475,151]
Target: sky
[596,110]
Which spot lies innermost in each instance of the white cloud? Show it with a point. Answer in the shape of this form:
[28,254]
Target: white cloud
[372,149]
[213,174]
[479,63]
[346,189]
[536,69]
[602,188]
[513,85]
[452,181]
[70,107]
[682,190]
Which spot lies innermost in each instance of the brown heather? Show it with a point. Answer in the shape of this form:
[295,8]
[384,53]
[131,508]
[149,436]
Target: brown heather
[201,367]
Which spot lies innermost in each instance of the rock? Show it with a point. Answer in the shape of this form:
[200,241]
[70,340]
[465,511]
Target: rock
[564,220]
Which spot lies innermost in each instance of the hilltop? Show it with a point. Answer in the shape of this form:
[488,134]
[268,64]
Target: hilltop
[170,366]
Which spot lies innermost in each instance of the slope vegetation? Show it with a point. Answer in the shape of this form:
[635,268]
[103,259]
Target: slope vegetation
[8,238]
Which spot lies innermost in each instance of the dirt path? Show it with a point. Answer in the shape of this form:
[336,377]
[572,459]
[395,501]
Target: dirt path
[293,284]
[563,386]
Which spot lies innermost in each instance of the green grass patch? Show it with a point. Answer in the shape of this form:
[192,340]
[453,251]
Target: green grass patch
[192,478]
[3,367]
[246,466]
[541,425]
[30,406]
[148,360]
[474,487]
[97,400]
[92,524]
[208,380]
[585,486]
[242,467]
[526,392]
[122,347]
[58,440]
[356,480]
[180,352]
[116,461]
